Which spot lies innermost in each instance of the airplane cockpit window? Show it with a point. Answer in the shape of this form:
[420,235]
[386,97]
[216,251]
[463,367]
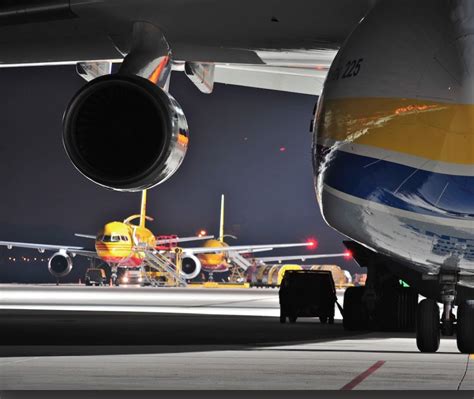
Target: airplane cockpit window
[115,238]
[106,238]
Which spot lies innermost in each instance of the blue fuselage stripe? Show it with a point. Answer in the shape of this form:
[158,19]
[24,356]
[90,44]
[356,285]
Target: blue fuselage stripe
[400,186]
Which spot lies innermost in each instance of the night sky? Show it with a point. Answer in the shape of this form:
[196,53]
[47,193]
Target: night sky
[252,145]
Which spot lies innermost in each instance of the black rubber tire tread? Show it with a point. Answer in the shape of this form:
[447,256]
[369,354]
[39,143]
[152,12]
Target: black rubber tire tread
[465,327]
[407,305]
[355,316]
[427,326]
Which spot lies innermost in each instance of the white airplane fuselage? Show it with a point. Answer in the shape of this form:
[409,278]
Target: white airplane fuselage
[394,136]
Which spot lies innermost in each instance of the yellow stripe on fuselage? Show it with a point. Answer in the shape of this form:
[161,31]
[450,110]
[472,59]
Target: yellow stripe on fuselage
[431,130]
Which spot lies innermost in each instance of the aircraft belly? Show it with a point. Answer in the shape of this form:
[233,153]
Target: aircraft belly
[424,243]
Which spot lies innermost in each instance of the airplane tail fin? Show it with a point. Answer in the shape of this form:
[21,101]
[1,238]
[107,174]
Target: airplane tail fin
[143,209]
[221,224]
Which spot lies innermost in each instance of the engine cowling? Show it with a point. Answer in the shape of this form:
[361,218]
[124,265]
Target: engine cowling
[125,133]
[60,264]
[190,266]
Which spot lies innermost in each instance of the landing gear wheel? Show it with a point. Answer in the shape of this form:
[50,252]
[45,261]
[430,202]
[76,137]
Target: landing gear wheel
[465,329]
[396,310]
[355,315]
[407,305]
[323,319]
[427,326]
[292,318]
[282,318]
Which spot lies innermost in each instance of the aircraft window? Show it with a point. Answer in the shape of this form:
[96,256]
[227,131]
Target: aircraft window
[115,238]
[124,238]
[107,238]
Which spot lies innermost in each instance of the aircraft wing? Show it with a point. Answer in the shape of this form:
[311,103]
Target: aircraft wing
[48,247]
[300,257]
[282,46]
[295,71]
[89,236]
[184,239]
[241,248]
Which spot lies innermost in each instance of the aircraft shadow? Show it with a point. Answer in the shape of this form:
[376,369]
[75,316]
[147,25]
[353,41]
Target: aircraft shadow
[55,333]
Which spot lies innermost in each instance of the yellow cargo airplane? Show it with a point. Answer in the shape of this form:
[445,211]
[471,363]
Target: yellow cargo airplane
[219,257]
[129,245]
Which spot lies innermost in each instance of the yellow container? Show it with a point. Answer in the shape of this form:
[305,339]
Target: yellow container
[277,277]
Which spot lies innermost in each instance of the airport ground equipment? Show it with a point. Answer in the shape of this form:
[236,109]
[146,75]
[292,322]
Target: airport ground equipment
[214,284]
[95,276]
[128,276]
[161,263]
[271,275]
[341,280]
[239,260]
[307,293]
[237,275]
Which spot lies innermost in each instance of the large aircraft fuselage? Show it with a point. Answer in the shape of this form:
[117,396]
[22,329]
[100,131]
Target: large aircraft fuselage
[394,137]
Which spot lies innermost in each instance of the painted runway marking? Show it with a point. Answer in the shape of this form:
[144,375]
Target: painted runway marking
[361,377]
[465,372]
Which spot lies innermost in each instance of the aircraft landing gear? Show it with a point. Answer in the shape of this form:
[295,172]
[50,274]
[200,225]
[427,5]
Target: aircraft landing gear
[113,276]
[465,327]
[428,326]
[383,304]
[448,319]
[355,313]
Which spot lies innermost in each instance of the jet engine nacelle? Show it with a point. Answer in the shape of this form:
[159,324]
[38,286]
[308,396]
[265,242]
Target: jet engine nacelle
[125,133]
[60,264]
[190,266]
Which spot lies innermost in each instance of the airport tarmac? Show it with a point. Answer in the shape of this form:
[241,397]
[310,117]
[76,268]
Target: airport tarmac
[218,301]
[57,349]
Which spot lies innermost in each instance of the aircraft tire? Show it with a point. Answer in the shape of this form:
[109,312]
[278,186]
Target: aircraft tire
[465,327]
[427,326]
[407,306]
[355,315]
